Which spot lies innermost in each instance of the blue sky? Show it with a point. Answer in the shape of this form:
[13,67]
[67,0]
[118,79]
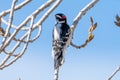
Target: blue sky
[94,62]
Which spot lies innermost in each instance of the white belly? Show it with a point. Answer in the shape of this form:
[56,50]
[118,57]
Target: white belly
[57,33]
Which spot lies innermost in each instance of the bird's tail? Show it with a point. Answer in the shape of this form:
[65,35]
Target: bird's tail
[58,59]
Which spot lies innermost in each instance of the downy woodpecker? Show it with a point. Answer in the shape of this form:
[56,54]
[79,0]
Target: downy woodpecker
[61,39]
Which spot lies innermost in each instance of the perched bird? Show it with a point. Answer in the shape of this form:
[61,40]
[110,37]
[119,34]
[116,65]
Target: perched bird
[61,39]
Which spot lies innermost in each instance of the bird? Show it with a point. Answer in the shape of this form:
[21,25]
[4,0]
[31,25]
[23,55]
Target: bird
[61,40]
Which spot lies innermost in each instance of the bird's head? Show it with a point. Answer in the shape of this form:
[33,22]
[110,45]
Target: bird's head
[60,18]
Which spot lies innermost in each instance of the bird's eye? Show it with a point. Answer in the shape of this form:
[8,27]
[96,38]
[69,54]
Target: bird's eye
[58,18]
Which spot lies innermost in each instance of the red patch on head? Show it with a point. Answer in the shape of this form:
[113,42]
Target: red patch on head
[63,17]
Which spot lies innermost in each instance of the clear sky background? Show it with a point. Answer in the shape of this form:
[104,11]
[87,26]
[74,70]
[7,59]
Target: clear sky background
[94,62]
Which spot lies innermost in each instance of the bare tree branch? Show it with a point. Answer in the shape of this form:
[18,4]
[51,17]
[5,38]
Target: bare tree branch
[114,73]
[77,19]
[90,37]
[117,23]
[26,38]
[10,21]
[4,13]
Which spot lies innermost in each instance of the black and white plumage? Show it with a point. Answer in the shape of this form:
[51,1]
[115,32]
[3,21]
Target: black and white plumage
[61,35]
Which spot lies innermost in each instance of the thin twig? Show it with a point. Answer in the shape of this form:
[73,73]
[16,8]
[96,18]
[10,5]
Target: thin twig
[6,43]
[10,21]
[26,38]
[3,65]
[4,13]
[77,19]
[114,73]
[90,36]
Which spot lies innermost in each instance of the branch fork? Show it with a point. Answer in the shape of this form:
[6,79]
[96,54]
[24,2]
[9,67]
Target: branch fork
[22,42]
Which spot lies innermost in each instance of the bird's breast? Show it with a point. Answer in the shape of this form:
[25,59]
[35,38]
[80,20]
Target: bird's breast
[57,32]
